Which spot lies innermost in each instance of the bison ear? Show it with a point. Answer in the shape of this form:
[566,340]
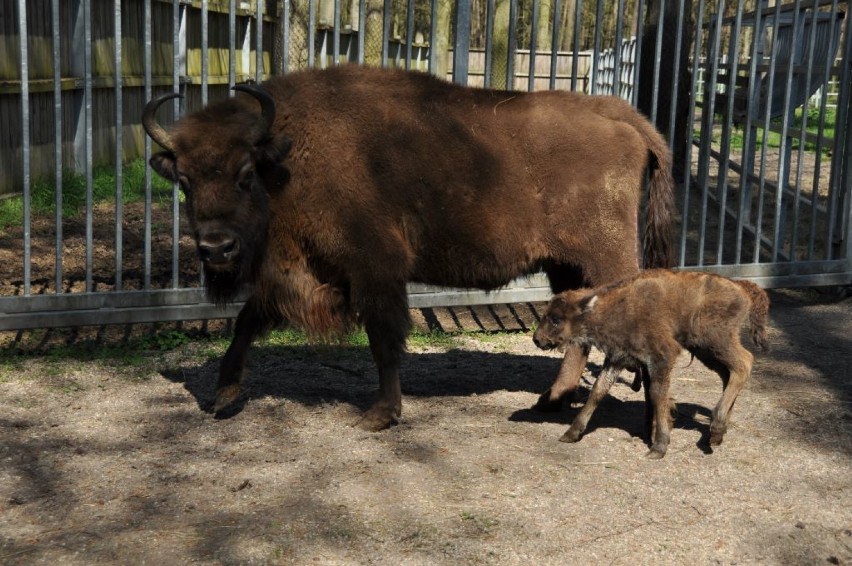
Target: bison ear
[588,303]
[165,163]
[275,150]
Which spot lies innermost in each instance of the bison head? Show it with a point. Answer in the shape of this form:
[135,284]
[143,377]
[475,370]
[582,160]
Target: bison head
[562,322]
[227,161]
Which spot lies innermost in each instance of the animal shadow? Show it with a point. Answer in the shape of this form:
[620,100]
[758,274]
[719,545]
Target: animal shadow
[626,415]
[314,376]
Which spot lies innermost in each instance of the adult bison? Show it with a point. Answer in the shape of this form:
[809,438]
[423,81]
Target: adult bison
[343,185]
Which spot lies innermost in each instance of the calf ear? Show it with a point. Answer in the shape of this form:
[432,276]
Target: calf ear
[165,164]
[588,303]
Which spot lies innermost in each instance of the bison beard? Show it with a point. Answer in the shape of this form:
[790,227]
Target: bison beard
[370,179]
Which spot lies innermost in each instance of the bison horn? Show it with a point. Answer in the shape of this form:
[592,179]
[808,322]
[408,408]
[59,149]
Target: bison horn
[149,122]
[267,109]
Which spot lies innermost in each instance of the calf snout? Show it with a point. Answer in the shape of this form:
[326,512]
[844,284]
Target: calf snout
[218,248]
[542,341]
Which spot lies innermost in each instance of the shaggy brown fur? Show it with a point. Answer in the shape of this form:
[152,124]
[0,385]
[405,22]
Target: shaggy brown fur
[367,179]
[645,322]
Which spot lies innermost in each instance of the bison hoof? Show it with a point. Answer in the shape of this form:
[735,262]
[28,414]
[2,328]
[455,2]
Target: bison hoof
[547,404]
[225,396]
[571,435]
[655,453]
[379,417]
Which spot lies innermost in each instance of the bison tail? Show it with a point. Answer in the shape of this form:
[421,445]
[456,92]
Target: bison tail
[758,314]
[658,244]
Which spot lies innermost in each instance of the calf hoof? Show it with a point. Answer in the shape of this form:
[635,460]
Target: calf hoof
[656,452]
[571,435]
[225,396]
[379,417]
[716,438]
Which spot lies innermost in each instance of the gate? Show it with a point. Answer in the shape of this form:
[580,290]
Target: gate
[754,98]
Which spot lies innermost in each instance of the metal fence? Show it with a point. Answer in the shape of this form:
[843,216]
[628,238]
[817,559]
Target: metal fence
[764,163]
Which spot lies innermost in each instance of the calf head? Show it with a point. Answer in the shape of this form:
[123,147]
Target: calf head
[227,162]
[562,322]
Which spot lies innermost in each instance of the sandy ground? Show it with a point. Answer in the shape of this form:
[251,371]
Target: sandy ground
[110,456]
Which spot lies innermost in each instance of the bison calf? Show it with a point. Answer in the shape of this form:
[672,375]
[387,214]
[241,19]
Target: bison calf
[643,323]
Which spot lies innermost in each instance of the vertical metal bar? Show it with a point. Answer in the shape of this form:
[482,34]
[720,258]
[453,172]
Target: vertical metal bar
[842,150]
[554,43]
[176,17]
[533,45]
[749,145]
[593,75]
[637,56]
[57,139]
[433,34]
[673,94]
[707,124]
[23,37]
[147,150]
[205,56]
[619,41]
[285,36]
[819,146]
[87,104]
[575,44]
[312,32]
[119,148]
[658,52]
[489,42]
[767,119]
[725,150]
[783,162]
[336,33]
[794,239]
[258,50]
[510,54]
[386,25]
[362,31]
[461,49]
[232,46]
[409,33]
[690,124]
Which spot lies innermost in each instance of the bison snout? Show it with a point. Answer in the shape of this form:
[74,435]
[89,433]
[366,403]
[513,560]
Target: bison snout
[218,248]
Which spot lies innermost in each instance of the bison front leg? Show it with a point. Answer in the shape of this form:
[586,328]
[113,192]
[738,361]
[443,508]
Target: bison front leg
[387,327]
[567,381]
[249,325]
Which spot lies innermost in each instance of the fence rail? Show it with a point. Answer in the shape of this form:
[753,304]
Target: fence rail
[110,246]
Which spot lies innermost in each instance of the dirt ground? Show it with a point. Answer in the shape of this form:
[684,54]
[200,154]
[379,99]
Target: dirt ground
[113,457]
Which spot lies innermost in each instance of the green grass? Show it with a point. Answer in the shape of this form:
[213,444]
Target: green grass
[773,139]
[43,193]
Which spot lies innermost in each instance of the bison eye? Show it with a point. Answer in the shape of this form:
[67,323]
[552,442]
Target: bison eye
[246,177]
[554,320]
[183,181]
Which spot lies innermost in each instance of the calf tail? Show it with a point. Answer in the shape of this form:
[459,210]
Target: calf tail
[758,313]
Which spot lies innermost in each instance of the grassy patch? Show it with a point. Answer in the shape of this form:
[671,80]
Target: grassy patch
[43,193]
[773,139]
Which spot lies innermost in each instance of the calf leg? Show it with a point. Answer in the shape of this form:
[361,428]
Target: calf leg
[658,394]
[599,390]
[567,381]
[250,324]
[738,361]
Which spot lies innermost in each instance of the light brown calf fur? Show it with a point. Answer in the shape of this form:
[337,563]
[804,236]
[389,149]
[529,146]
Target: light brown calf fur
[643,323]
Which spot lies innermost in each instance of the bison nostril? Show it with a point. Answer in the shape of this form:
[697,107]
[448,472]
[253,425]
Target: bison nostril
[217,248]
